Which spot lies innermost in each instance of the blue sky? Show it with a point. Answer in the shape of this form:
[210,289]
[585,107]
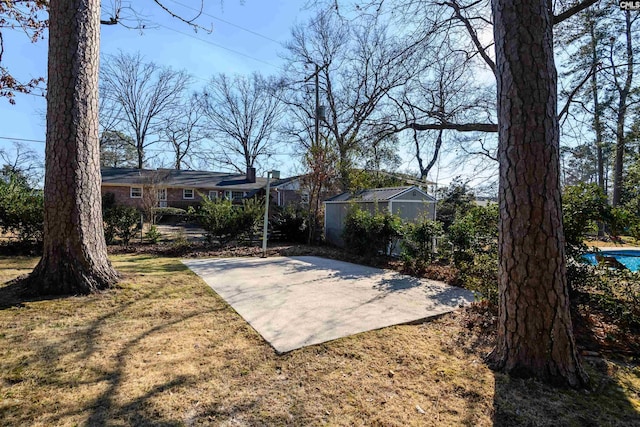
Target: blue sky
[227,49]
[247,36]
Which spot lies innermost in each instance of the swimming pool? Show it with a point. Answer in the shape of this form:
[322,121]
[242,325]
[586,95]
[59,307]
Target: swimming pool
[630,258]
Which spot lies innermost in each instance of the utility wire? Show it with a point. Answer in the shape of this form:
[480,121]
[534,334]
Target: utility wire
[227,22]
[218,45]
[21,139]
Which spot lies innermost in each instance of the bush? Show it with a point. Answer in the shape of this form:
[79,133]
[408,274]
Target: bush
[225,222]
[615,293]
[474,232]
[153,235]
[369,234]
[473,237]
[418,240]
[21,210]
[454,201]
[582,206]
[291,223]
[122,222]
[480,275]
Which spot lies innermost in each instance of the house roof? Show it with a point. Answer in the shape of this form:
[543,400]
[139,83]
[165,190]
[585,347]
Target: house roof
[377,194]
[180,178]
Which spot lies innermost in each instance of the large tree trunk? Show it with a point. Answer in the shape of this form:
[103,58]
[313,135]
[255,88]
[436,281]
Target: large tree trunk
[75,254]
[535,337]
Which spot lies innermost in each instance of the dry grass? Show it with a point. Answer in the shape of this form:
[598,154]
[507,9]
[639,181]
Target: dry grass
[164,349]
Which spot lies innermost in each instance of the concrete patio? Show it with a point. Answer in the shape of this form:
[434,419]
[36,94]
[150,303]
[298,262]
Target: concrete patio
[294,302]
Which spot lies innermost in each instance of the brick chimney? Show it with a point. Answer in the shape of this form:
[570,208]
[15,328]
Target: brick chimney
[251,174]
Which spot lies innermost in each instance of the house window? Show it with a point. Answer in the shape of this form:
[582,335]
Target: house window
[227,195]
[213,195]
[187,193]
[135,192]
[162,197]
[304,197]
[237,194]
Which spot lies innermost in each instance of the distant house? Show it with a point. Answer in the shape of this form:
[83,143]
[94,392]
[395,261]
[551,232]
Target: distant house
[486,201]
[409,203]
[291,190]
[143,188]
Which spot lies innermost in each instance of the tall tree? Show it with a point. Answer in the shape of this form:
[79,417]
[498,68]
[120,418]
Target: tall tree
[184,132]
[359,64]
[622,77]
[535,336]
[242,113]
[21,161]
[74,258]
[141,94]
[117,150]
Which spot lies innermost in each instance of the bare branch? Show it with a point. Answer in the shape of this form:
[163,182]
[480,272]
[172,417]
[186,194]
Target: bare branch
[578,7]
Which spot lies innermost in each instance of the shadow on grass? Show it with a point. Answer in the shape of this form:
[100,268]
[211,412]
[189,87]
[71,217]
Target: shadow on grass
[46,357]
[107,407]
[14,293]
[531,403]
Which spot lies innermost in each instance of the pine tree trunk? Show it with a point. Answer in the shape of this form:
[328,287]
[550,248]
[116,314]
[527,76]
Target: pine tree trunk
[535,337]
[75,254]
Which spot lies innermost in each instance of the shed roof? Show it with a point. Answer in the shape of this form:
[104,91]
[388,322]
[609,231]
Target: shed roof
[180,178]
[378,194]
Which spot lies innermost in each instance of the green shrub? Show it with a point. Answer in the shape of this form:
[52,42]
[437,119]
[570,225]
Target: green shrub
[369,234]
[21,210]
[474,232]
[153,235]
[160,213]
[225,222]
[582,206]
[473,239]
[480,275]
[620,219]
[122,222]
[291,223]
[454,201]
[615,293]
[418,240]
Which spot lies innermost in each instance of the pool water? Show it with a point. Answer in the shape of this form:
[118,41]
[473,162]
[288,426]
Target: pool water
[631,259]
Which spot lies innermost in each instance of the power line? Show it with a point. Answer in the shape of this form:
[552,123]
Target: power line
[21,139]
[218,46]
[255,33]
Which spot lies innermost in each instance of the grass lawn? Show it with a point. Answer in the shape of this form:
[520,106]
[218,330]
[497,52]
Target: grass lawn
[163,349]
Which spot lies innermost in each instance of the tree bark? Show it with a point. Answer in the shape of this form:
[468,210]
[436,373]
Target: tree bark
[75,254]
[535,337]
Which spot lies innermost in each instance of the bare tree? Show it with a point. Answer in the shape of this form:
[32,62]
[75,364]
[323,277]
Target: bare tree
[242,114]
[117,150]
[140,94]
[359,64]
[183,132]
[21,161]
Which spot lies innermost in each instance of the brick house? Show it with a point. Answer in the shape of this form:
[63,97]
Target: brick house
[145,188]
